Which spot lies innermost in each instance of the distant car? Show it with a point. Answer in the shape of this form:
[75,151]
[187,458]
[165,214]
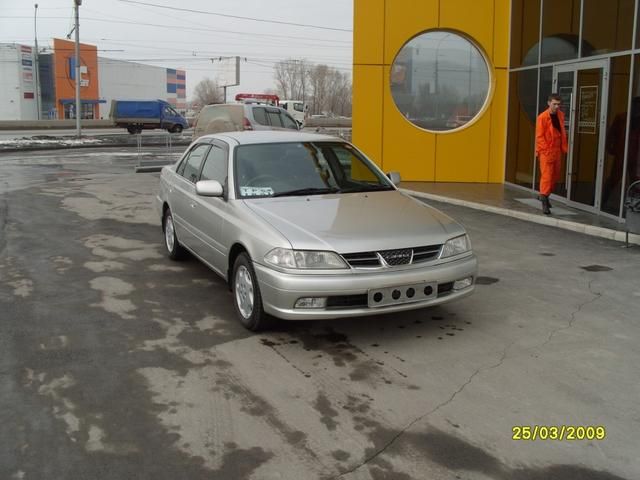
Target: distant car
[304,226]
[231,117]
[297,108]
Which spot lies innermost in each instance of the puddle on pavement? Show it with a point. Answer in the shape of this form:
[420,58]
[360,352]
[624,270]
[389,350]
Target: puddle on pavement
[597,268]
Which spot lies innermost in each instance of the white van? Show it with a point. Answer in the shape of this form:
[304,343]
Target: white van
[297,109]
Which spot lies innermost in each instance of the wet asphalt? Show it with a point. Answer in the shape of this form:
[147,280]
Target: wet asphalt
[117,363]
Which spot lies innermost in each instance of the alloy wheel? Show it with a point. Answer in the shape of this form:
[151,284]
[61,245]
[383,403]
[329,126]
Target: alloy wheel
[244,291]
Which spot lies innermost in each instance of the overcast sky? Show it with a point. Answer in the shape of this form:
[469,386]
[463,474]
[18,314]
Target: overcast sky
[187,40]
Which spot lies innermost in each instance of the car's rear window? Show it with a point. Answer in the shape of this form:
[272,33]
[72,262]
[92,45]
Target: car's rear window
[232,113]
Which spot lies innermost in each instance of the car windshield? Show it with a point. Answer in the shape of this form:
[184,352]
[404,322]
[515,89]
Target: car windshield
[303,168]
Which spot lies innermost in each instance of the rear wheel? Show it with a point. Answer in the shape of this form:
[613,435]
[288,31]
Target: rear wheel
[131,130]
[246,296]
[175,251]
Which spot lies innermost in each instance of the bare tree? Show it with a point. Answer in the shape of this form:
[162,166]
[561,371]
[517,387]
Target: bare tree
[330,91]
[207,91]
[319,79]
[292,78]
[324,88]
[339,99]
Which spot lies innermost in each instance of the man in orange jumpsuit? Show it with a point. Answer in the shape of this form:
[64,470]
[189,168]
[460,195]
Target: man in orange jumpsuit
[551,143]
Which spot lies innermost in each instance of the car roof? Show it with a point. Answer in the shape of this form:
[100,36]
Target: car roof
[271,136]
[239,105]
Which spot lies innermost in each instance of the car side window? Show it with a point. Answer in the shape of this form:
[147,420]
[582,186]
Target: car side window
[275,118]
[260,116]
[215,166]
[289,122]
[190,167]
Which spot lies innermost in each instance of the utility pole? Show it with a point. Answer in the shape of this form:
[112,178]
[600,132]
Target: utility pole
[36,78]
[77,29]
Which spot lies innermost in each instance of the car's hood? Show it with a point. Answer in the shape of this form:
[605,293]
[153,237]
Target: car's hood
[355,222]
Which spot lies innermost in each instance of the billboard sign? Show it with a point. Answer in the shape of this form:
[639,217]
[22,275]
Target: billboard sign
[228,71]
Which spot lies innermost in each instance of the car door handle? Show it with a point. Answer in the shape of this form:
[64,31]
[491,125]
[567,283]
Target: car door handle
[193,205]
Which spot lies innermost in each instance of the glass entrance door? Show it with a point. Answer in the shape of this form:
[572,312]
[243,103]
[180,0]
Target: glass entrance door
[583,88]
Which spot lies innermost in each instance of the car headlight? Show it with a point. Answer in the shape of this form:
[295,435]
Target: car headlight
[456,246]
[306,259]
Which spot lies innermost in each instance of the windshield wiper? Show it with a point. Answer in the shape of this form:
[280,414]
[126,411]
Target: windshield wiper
[367,188]
[307,191]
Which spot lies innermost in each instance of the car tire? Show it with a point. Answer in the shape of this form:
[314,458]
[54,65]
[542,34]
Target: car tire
[176,129]
[132,130]
[175,251]
[247,299]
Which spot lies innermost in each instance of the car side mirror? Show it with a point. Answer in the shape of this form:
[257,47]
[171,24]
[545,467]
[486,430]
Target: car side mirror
[209,188]
[394,177]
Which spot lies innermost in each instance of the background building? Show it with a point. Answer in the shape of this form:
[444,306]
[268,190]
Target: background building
[121,80]
[18,99]
[64,67]
[101,80]
[449,90]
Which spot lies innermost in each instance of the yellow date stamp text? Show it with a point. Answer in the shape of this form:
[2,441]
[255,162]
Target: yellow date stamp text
[558,432]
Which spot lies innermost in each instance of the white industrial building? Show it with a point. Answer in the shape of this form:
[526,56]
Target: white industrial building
[121,80]
[18,96]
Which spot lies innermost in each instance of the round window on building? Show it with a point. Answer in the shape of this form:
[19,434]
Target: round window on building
[440,81]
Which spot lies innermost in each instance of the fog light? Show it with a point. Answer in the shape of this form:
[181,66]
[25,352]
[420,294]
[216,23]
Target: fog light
[462,284]
[311,302]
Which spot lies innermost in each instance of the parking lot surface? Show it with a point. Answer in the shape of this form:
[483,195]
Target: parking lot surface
[117,363]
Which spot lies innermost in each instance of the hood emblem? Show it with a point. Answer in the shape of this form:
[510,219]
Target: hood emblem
[391,258]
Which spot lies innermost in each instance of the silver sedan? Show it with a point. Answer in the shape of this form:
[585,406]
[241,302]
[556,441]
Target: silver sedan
[304,226]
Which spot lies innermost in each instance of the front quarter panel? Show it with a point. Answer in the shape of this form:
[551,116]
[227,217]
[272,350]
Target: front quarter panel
[244,227]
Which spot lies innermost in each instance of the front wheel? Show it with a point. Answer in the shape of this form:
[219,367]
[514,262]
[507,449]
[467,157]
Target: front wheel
[246,296]
[176,129]
[175,251]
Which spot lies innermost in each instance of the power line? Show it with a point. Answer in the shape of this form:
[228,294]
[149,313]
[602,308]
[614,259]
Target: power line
[188,29]
[279,22]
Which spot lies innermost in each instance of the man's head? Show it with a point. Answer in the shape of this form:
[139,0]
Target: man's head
[554,101]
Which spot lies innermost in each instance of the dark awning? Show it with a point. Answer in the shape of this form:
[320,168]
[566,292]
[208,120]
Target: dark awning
[73,100]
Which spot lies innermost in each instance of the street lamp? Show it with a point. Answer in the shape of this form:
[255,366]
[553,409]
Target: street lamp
[35,62]
[77,54]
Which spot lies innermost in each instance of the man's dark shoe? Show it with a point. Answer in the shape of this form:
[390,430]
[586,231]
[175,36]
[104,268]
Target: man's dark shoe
[542,197]
[545,205]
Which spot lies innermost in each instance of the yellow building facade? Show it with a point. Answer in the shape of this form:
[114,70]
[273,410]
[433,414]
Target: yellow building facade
[449,91]
[473,153]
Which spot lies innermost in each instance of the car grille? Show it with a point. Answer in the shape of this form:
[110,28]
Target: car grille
[392,258]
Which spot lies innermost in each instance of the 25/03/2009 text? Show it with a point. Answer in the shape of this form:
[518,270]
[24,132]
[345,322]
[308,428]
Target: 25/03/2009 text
[558,432]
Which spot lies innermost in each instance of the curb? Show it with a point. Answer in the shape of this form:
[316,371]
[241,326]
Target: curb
[592,230]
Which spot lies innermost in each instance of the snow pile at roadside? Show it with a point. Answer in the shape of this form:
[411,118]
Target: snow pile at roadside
[67,142]
[40,142]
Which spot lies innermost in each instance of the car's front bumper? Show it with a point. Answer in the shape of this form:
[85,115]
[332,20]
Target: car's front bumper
[280,291]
